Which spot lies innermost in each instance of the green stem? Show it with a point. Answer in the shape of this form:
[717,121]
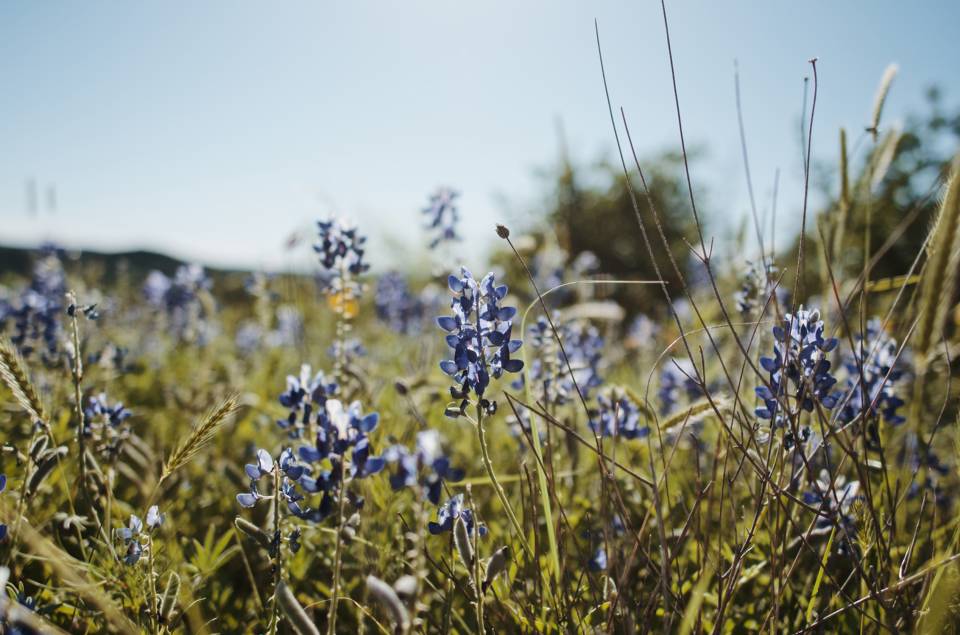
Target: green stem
[154,604]
[496,484]
[338,555]
[278,561]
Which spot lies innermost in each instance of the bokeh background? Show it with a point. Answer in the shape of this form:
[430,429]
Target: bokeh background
[214,131]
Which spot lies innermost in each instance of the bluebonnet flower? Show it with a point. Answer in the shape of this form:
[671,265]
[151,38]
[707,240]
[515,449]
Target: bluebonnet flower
[874,371]
[342,443]
[479,334]
[425,467]
[836,507]
[800,356]
[923,462]
[288,330]
[35,314]
[348,350]
[641,332]
[133,534]
[3,487]
[548,265]
[340,247]
[105,424]
[180,300]
[248,337]
[550,372]
[396,305]
[442,216]
[617,415]
[305,397]
[755,287]
[598,562]
[677,377]
[255,471]
[449,512]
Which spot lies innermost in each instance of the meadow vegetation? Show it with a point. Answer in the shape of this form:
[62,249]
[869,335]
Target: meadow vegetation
[648,431]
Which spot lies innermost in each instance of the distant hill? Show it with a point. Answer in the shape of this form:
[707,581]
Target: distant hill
[19,260]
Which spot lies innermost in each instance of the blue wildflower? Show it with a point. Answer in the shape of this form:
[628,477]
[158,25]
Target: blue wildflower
[800,355]
[35,314]
[256,471]
[442,216]
[3,487]
[874,371]
[133,533]
[598,562]
[834,502]
[340,247]
[105,424]
[396,305]
[347,350]
[181,300]
[305,397]
[617,415]
[449,512]
[342,442]
[755,287]
[551,373]
[479,334]
[677,377]
[425,467]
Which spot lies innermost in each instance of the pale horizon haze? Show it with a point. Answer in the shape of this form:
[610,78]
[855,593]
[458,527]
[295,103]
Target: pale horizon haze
[211,131]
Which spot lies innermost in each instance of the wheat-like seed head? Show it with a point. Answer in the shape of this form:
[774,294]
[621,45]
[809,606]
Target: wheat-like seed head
[13,371]
[881,97]
[201,435]
[940,272]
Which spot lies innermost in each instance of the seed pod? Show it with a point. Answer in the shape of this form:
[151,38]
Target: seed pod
[385,594]
[170,594]
[48,459]
[294,612]
[461,539]
[496,565]
[252,531]
[39,445]
[405,586]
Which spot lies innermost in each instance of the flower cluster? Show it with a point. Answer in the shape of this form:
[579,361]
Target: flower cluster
[340,453]
[678,377]
[135,538]
[442,216]
[347,351]
[305,398]
[874,371]
[754,287]
[105,424]
[180,299]
[927,468]
[617,415]
[479,334]
[3,487]
[340,247]
[641,332]
[396,305]
[834,501]
[251,335]
[425,467]
[449,512]
[551,373]
[799,359]
[34,314]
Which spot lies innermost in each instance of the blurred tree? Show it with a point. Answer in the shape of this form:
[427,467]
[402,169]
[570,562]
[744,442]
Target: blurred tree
[588,210]
[892,187]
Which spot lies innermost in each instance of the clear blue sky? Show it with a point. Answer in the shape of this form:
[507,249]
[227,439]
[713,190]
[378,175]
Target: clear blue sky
[211,130]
